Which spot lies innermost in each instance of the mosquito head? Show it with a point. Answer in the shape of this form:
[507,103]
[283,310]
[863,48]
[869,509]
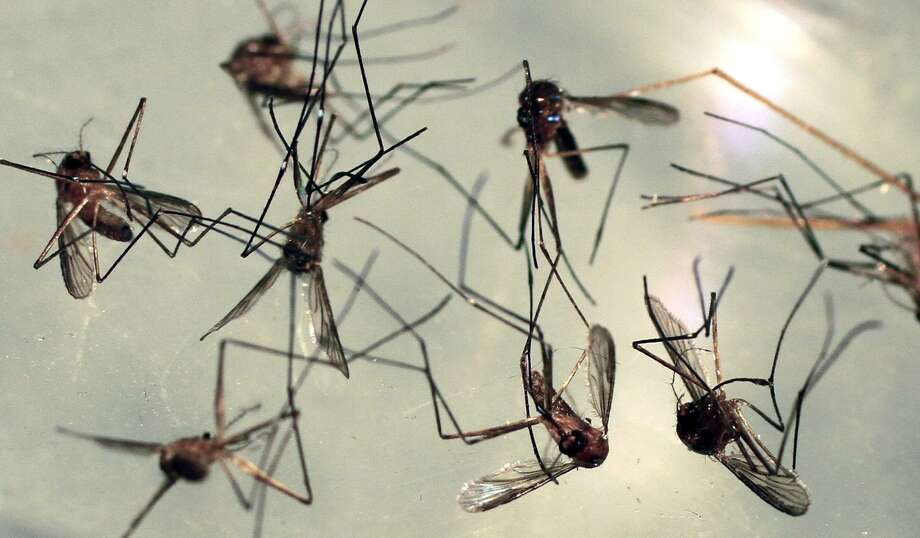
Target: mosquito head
[75,161]
[540,113]
[701,426]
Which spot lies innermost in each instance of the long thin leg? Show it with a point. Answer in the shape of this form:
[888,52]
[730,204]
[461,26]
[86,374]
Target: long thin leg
[841,193]
[43,257]
[164,487]
[817,372]
[138,117]
[795,120]
[252,470]
[429,374]
[470,300]
[234,485]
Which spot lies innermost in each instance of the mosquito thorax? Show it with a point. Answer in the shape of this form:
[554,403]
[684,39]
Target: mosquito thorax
[189,458]
[701,427]
[75,161]
[540,113]
[261,61]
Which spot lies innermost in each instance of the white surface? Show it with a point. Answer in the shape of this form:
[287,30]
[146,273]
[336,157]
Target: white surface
[128,362]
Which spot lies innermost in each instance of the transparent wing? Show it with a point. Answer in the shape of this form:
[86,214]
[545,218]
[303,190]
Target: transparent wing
[149,202]
[601,371]
[508,483]
[76,253]
[125,445]
[322,325]
[251,298]
[640,109]
[783,490]
[682,353]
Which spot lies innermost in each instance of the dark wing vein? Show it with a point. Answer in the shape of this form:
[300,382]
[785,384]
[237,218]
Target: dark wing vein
[640,109]
[682,353]
[75,251]
[508,483]
[322,324]
[601,371]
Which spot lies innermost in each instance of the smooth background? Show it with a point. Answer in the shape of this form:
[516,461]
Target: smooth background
[127,362]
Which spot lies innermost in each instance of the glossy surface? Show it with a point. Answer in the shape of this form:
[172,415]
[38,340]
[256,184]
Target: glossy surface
[128,360]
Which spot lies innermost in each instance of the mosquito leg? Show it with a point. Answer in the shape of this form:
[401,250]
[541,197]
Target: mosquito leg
[240,496]
[638,344]
[624,148]
[767,418]
[841,193]
[252,470]
[242,413]
[795,120]
[470,300]
[818,370]
[164,487]
[526,211]
[42,258]
[137,117]
[472,437]
[270,19]
[561,390]
[407,327]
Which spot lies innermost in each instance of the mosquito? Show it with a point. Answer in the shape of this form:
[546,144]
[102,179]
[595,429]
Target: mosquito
[579,443]
[890,235]
[540,116]
[265,66]
[190,458]
[91,202]
[713,425]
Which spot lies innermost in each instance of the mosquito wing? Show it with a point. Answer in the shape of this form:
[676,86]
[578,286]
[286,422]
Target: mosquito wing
[322,325]
[778,486]
[251,298]
[508,483]
[126,445]
[180,212]
[76,252]
[601,371]
[640,109]
[782,490]
[681,351]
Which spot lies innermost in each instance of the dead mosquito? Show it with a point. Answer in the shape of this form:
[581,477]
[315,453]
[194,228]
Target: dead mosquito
[266,66]
[190,458]
[540,116]
[91,201]
[579,443]
[890,237]
[713,425]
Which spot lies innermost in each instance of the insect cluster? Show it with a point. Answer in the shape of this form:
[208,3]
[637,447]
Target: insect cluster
[298,69]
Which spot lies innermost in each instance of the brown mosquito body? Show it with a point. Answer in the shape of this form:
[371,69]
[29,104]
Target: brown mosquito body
[91,202]
[191,458]
[541,117]
[578,443]
[712,424]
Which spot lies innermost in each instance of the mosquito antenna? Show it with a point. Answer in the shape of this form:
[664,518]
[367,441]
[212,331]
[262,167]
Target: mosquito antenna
[83,128]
